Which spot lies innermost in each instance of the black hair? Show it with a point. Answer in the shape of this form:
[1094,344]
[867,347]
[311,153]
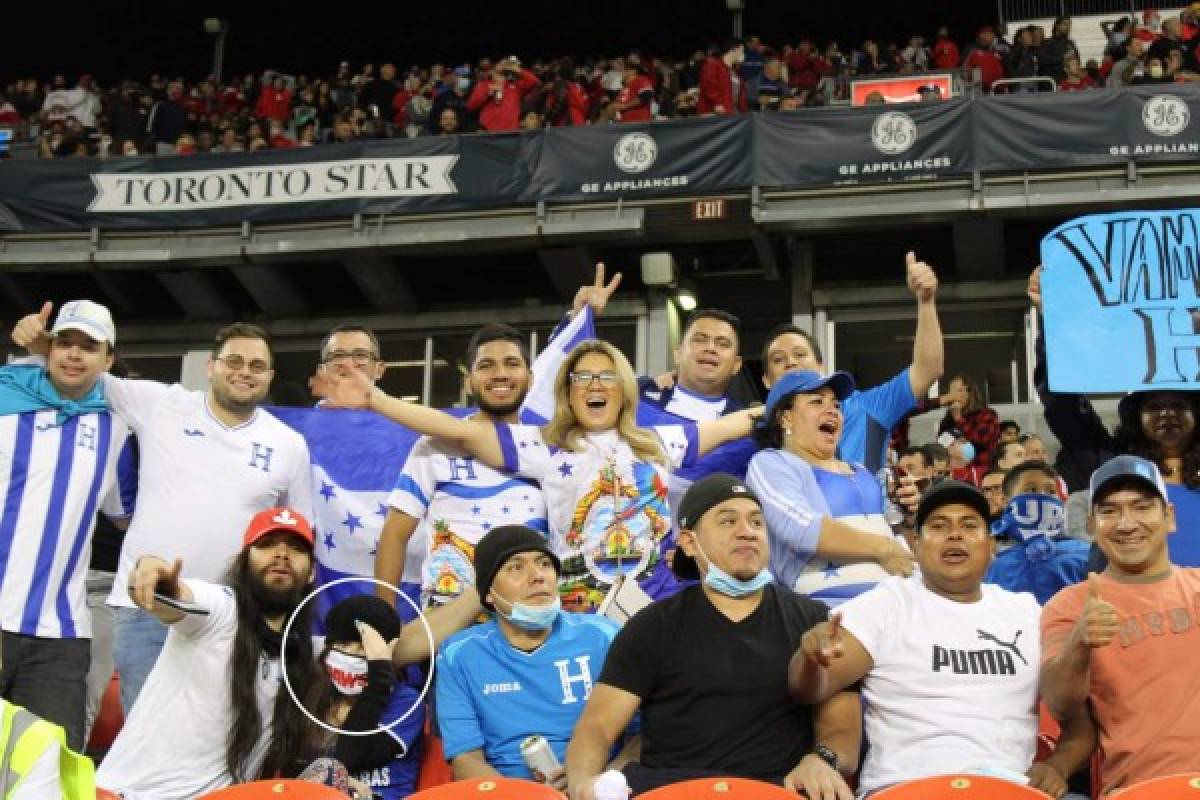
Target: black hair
[787,327]
[496,332]
[1010,480]
[241,330]
[936,452]
[717,314]
[732,43]
[1131,439]
[370,334]
[992,471]
[917,450]
[1010,423]
[770,432]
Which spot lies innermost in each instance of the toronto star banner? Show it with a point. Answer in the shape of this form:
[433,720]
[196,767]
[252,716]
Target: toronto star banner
[809,148]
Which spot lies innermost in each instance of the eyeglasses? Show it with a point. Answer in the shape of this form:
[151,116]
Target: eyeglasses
[585,378]
[360,358]
[236,363]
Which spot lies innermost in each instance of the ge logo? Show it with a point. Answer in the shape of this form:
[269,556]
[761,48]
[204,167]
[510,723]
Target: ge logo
[893,133]
[1165,115]
[635,152]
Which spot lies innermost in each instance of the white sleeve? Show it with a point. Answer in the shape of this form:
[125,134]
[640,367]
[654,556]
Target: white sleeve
[299,494]
[112,506]
[525,451]
[417,482]
[42,781]
[680,443]
[133,400]
[870,617]
[221,605]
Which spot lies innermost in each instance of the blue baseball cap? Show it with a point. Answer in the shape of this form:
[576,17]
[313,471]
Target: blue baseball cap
[807,381]
[1126,468]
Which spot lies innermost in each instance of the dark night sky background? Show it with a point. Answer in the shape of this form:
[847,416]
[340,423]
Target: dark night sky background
[130,38]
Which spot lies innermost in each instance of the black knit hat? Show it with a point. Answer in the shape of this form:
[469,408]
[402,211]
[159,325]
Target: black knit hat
[339,622]
[709,491]
[499,545]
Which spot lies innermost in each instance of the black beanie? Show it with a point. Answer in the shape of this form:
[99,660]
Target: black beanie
[339,622]
[499,545]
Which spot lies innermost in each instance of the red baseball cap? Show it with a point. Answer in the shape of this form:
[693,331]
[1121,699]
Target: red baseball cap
[277,519]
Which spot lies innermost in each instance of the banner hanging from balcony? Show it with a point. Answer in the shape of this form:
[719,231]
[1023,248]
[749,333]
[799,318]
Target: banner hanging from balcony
[1086,129]
[874,144]
[374,177]
[1126,283]
[811,148]
[602,162]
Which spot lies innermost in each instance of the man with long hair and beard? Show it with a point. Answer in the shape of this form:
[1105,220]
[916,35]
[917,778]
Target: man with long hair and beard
[212,710]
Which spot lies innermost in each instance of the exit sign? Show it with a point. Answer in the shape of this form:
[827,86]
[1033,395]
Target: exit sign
[708,209]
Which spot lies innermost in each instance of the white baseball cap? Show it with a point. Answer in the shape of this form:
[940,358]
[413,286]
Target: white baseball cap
[87,317]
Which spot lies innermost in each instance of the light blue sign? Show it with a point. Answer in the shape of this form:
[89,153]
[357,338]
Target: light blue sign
[1121,296]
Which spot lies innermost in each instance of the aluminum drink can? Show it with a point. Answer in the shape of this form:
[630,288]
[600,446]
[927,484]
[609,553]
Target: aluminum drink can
[541,759]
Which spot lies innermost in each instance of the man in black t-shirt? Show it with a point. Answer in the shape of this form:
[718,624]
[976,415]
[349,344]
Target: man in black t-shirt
[707,669]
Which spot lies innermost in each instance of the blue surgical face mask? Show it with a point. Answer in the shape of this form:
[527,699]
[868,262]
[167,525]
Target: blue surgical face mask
[532,618]
[722,582]
[464,84]
[967,451]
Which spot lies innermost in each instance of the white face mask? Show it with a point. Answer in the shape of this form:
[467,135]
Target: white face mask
[347,672]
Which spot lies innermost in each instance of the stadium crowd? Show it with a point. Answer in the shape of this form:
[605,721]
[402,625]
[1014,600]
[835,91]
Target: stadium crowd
[272,110]
[611,609]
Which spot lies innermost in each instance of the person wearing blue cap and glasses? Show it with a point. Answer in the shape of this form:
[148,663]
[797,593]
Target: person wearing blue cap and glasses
[829,536]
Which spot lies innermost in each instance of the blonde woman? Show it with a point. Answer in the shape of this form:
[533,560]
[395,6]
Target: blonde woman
[604,478]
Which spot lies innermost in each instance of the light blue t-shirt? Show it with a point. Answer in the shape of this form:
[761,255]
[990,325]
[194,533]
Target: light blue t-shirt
[868,419]
[490,695]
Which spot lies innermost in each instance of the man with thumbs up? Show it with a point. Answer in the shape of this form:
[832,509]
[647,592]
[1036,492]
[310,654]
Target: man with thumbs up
[870,414]
[59,445]
[948,664]
[1125,642]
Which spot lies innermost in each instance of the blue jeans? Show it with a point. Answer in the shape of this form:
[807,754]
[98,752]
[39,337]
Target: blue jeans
[138,638]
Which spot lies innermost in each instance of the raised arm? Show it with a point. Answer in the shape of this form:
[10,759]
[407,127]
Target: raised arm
[929,359]
[151,574]
[714,433]
[349,388]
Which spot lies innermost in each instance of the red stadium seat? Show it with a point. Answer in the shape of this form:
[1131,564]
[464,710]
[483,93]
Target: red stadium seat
[489,789]
[109,718]
[105,794]
[276,790]
[719,789]
[434,769]
[959,787]
[1172,787]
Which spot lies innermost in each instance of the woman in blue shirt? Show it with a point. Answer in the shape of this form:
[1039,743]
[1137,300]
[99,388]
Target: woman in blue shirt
[829,538]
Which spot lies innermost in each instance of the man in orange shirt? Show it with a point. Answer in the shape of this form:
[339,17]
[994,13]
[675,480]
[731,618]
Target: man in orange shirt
[1126,640]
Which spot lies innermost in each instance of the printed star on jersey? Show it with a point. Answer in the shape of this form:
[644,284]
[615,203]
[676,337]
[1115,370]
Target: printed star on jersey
[327,491]
[565,469]
[352,522]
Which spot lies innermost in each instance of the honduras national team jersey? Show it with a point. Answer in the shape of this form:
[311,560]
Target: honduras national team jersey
[608,510]
[796,497]
[457,500]
[490,695]
[53,479]
[869,417]
[200,482]
[398,777]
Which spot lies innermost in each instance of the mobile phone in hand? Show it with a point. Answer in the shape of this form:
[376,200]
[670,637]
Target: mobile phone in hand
[180,605]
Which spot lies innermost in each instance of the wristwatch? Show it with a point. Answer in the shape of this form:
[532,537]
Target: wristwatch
[825,754]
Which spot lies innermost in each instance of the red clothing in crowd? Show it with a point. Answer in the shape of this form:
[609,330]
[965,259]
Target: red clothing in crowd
[945,54]
[8,114]
[991,66]
[501,112]
[640,92]
[1068,85]
[806,71]
[980,427]
[231,100]
[274,104]
[577,107]
[718,86]
[969,474]
[400,107]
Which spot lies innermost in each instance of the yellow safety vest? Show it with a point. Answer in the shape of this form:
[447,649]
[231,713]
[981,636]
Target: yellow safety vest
[23,739]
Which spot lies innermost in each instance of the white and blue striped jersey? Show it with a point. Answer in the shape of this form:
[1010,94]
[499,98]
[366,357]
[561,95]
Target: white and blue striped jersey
[201,481]
[53,480]
[458,499]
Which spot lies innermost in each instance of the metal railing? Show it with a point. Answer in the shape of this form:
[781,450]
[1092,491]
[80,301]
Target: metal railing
[1009,10]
